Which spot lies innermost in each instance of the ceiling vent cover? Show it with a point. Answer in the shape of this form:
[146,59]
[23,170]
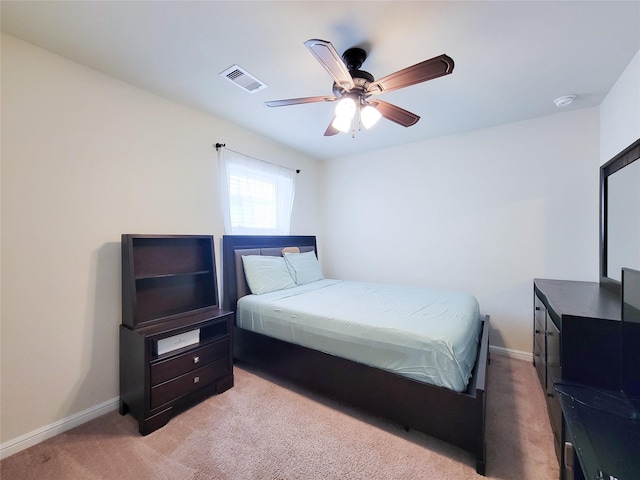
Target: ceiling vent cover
[243,79]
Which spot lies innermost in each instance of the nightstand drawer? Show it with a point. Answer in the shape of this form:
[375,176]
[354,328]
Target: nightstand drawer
[189,382]
[167,369]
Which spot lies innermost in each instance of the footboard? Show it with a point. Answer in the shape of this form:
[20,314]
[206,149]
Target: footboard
[456,418]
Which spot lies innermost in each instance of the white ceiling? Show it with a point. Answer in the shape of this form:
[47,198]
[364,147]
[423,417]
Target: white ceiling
[511,58]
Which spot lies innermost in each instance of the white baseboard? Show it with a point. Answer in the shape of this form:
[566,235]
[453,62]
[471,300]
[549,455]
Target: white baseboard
[507,352]
[48,431]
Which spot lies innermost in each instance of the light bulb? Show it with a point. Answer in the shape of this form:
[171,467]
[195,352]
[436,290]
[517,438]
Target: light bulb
[346,108]
[369,116]
[341,123]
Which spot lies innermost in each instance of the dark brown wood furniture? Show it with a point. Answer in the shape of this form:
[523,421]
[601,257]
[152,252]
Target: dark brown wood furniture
[619,182]
[456,418]
[576,339]
[175,340]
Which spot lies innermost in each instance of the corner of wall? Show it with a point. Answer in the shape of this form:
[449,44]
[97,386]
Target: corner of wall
[620,113]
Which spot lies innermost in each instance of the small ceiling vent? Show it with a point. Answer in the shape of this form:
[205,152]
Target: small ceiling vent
[240,77]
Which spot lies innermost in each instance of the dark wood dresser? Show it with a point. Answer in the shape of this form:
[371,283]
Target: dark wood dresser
[175,341]
[576,338]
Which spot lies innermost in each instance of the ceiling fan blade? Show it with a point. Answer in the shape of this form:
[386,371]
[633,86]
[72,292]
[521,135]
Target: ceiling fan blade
[298,101]
[331,130]
[395,113]
[420,72]
[331,61]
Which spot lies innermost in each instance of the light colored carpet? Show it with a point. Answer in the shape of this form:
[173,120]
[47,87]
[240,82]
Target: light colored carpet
[266,429]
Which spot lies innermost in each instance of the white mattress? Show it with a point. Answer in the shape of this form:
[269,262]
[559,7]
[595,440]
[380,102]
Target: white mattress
[425,334]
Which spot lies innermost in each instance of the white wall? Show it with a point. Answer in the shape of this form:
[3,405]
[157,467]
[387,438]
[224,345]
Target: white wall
[86,158]
[619,128]
[620,113]
[485,212]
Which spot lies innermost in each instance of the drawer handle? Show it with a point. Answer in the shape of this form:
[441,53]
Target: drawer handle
[568,455]
[196,359]
[538,330]
[549,333]
[196,379]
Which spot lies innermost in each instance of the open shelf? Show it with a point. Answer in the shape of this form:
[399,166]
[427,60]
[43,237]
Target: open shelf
[164,276]
[209,334]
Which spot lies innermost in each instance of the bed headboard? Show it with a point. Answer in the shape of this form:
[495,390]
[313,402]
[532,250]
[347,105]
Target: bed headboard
[234,284]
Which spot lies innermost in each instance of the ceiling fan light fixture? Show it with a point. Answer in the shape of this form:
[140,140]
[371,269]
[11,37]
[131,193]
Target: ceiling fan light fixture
[346,108]
[369,116]
[352,87]
[342,124]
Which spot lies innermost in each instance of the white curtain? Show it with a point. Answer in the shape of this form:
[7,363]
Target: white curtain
[256,196]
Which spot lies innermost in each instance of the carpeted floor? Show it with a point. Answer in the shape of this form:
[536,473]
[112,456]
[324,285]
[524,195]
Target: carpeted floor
[265,429]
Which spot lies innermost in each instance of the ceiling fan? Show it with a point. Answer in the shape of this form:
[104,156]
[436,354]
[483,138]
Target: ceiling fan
[354,87]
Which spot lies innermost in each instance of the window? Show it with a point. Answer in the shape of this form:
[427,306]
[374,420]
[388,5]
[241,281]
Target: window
[257,197]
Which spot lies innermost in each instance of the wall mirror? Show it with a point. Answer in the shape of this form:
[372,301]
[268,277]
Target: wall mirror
[620,215]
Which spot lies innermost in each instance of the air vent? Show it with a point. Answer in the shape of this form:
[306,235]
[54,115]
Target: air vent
[243,79]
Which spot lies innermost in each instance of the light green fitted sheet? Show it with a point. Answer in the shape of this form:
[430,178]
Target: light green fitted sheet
[425,334]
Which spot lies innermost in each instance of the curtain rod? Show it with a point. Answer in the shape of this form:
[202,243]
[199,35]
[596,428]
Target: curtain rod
[224,145]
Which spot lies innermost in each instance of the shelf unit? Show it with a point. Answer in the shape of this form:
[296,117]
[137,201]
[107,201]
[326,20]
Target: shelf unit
[169,291]
[165,276]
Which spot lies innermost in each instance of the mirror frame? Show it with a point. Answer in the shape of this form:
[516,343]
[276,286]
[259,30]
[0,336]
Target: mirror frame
[621,160]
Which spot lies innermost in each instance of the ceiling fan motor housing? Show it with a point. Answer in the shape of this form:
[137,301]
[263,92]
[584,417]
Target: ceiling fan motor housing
[353,59]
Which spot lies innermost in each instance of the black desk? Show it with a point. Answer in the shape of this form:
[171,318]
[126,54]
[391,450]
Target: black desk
[604,429]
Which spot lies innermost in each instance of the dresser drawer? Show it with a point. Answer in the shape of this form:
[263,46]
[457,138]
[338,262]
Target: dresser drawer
[189,382]
[554,370]
[539,335]
[541,369]
[173,367]
[541,322]
[555,419]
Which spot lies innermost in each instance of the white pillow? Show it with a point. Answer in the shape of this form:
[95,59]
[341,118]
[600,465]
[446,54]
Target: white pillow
[266,274]
[304,267]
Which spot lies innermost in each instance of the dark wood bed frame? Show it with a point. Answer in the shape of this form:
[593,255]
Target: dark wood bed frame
[456,418]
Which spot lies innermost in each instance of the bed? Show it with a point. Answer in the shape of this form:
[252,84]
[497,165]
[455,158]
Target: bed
[331,356]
